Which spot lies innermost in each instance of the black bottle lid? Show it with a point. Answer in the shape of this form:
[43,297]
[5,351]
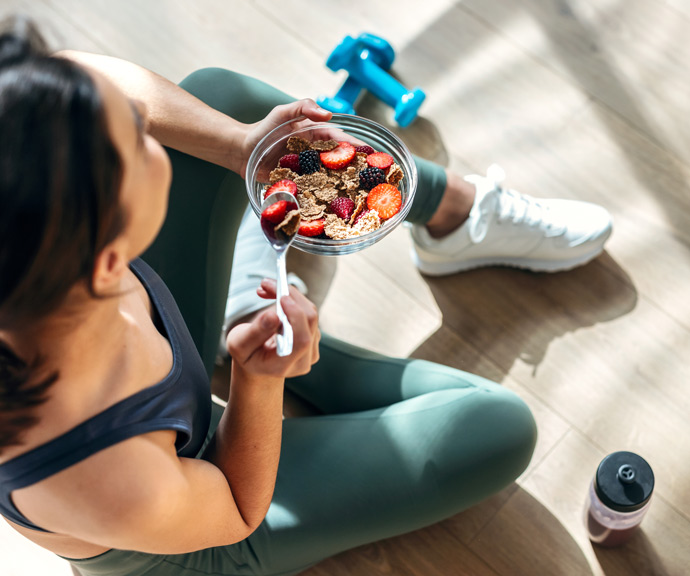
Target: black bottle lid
[624,481]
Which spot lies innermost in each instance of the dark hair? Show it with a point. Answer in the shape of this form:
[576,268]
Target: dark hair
[60,176]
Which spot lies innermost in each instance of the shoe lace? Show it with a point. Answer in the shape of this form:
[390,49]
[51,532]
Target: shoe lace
[509,205]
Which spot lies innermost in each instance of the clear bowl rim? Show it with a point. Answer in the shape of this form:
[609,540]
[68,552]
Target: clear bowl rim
[348,122]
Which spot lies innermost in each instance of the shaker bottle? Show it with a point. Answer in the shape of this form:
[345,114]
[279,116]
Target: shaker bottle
[619,497]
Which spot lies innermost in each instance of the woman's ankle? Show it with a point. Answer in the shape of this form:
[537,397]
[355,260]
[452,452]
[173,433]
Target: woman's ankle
[454,208]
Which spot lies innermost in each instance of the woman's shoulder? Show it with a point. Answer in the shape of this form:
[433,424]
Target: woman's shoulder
[105,490]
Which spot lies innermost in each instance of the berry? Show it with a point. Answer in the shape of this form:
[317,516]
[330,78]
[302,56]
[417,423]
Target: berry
[343,207]
[275,213]
[339,157]
[380,160]
[282,186]
[370,177]
[311,227]
[290,161]
[365,149]
[309,162]
[385,199]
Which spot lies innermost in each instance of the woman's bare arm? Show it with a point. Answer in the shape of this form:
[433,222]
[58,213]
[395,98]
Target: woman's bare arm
[183,122]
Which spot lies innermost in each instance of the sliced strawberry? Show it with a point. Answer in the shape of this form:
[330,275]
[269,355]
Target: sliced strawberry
[311,227]
[339,157]
[380,160]
[275,213]
[385,199]
[282,186]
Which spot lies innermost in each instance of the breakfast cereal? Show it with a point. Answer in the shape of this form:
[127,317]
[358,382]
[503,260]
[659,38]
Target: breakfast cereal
[333,184]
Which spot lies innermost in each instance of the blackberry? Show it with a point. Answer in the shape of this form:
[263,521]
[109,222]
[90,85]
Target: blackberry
[370,177]
[309,161]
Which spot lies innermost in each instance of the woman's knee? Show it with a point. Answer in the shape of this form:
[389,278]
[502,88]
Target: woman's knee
[520,433]
[483,439]
[502,427]
[467,444]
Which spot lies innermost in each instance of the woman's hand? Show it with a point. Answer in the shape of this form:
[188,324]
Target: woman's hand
[252,346]
[301,111]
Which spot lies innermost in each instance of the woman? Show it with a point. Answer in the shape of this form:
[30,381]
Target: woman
[112,292]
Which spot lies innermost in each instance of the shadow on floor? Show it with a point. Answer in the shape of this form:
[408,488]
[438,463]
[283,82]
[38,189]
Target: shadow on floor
[508,314]
[637,556]
[493,538]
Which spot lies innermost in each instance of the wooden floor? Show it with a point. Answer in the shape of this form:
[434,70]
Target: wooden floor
[584,99]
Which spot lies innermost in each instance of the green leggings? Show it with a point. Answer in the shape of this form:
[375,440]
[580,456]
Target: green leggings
[402,443]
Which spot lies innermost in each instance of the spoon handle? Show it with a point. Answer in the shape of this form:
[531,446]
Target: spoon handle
[284,338]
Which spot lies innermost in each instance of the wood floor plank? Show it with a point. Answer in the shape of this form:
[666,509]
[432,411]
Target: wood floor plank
[324,29]
[408,555]
[526,538]
[631,56]
[680,6]
[483,90]
[479,87]
[59,31]
[392,257]
[366,308]
[176,37]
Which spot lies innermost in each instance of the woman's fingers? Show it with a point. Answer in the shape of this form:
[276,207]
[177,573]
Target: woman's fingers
[253,344]
[304,318]
[244,340]
[305,112]
[295,111]
[313,111]
[267,289]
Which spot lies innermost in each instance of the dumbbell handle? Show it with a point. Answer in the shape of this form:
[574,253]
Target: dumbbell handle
[379,82]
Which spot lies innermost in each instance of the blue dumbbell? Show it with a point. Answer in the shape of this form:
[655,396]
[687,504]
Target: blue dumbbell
[367,60]
[379,50]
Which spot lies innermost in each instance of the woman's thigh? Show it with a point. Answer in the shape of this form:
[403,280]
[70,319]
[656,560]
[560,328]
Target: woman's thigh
[348,378]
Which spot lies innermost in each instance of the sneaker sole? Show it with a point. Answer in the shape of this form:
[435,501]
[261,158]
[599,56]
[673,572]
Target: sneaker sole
[446,268]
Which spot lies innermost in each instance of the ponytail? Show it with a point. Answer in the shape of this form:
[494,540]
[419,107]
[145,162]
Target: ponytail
[20,391]
[20,41]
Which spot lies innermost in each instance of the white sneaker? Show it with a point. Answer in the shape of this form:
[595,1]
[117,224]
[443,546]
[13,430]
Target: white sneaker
[506,228]
[254,260]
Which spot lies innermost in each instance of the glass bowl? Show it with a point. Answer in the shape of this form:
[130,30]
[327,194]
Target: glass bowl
[341,127]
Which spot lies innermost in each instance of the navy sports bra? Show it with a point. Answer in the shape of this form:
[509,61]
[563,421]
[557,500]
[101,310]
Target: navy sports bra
[180,402]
